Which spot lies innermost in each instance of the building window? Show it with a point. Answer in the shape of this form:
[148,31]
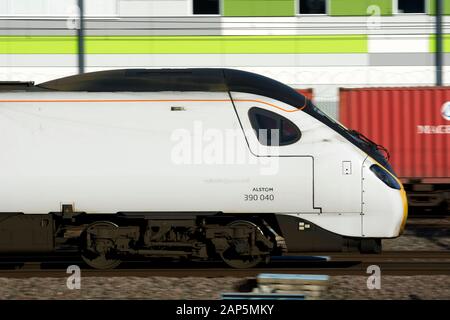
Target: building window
[206,7]
[312,6]
[273,129]
[411,6]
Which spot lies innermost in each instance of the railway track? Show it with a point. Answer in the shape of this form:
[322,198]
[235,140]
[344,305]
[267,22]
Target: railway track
[390,262]
[428,222]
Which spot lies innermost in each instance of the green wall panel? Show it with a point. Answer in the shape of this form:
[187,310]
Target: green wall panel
[37,44]
[446,43]
[185,44]
[258,8]
[432,7]
[358,7]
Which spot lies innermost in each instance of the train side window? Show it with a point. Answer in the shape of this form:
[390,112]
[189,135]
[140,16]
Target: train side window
[273,129]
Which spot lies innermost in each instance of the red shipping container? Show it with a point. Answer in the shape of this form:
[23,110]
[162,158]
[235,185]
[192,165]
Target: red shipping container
[308,93]
[412,123]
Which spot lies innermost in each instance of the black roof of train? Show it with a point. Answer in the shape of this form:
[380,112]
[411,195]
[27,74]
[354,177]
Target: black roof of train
[152,80]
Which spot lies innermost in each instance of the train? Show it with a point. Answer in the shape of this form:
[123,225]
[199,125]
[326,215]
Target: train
[198,164]
[413,124]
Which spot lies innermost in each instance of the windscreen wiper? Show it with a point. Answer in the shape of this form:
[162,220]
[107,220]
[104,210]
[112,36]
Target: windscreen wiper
[371,143]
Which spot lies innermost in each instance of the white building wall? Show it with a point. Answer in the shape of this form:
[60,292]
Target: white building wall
[97,8]
[151,8]
[56,8]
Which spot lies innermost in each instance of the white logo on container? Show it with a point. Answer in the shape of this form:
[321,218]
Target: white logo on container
[445,111]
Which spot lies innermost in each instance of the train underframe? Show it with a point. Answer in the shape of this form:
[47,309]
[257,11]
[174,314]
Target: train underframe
[427,198]
[104,241]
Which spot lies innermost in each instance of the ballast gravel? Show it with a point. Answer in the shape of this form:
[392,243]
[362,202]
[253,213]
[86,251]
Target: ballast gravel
[340,287]
[420,236]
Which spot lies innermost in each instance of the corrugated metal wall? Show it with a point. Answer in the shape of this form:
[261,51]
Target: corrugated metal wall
[410,122]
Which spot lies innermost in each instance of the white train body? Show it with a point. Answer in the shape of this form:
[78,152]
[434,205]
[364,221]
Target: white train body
[185,151]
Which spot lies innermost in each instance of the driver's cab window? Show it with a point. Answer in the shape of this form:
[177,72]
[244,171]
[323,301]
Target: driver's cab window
[273,129]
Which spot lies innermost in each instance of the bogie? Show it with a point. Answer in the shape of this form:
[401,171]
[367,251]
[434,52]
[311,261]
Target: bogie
[239,243]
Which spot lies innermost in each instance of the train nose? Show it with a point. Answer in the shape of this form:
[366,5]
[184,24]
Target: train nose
[405,209]
[385,207]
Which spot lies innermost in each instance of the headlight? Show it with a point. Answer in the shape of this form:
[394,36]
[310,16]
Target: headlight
[385,176]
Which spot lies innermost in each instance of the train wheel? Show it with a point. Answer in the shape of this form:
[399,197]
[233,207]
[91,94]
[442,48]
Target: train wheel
[97,248]
[233,257]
